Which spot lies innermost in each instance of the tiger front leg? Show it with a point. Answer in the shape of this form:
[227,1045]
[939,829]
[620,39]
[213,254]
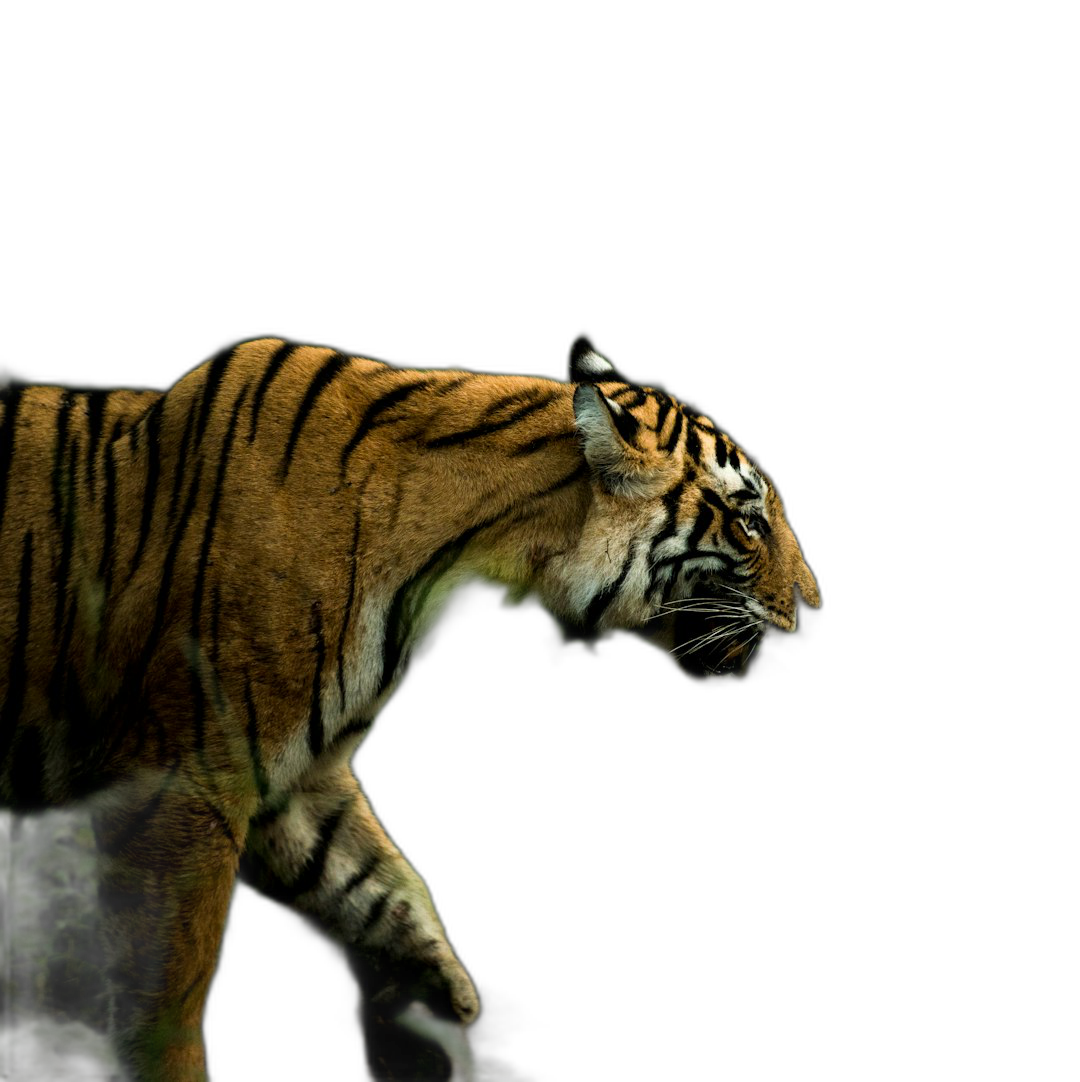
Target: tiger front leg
[168,854]
[323,852]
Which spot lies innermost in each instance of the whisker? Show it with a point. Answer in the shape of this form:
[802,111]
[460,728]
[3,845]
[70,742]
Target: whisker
[715,635]
[702,600]
[702,606]
[725,586]
[727,612]
[709,602]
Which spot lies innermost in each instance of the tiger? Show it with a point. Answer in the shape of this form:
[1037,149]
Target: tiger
[209,592]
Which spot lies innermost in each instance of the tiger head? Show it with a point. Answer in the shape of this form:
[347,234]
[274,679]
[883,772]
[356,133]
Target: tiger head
[684,538]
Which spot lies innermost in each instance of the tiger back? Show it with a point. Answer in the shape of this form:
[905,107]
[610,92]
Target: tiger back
[208,594]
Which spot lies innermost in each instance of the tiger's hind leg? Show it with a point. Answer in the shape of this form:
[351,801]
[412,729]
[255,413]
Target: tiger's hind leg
[324,853]
[169,853]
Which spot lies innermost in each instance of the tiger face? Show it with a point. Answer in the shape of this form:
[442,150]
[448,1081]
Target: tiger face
[685,538]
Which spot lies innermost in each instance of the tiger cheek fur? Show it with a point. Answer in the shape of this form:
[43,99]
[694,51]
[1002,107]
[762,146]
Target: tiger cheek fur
[209,593]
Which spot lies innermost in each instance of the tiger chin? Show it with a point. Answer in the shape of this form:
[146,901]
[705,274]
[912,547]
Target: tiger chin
[209,593]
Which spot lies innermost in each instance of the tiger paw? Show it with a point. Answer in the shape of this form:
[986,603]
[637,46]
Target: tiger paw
[438,981]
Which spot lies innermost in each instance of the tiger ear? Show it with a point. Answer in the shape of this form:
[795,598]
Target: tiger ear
[607,433]
[588,366]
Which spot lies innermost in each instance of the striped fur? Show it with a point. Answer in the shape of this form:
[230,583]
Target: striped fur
[208,594]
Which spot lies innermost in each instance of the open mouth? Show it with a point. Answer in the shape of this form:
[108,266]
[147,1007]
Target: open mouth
[714,634]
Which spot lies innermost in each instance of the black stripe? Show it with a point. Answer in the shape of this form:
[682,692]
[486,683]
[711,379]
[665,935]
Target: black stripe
[625,423]
[604,597]
[660,583]
[67,545]
[455,439]
[372,916]
[222,822]
[397,626]
[702,522]
[95,408]
[63,419]
[270,812]
[16,683]
[205,685]
[693,443]
[67,700]
[212,515]
[331,368]
[275,363]
[357,727]
[180,466]
[316,733]
[193,985]
[729,569]
[507,400]
[721,451]
[395,504]
[663,408]
[67,540]
[261,782]
[199,591]
[676,432]
[170,561]
[576,474]
[353,556]
[12,400]
[671,500]
[312,871]
[637,397]
[153,473]
[109,530]
[360,876]
[448,385]
[134,674]
[542,441]
[370,418]
[215,374]
[139,820]
[396,629]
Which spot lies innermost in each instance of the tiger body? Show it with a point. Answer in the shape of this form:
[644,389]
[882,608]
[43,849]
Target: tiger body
[209,592]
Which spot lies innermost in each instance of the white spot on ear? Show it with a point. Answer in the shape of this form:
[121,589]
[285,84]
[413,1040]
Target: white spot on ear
[592,364]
